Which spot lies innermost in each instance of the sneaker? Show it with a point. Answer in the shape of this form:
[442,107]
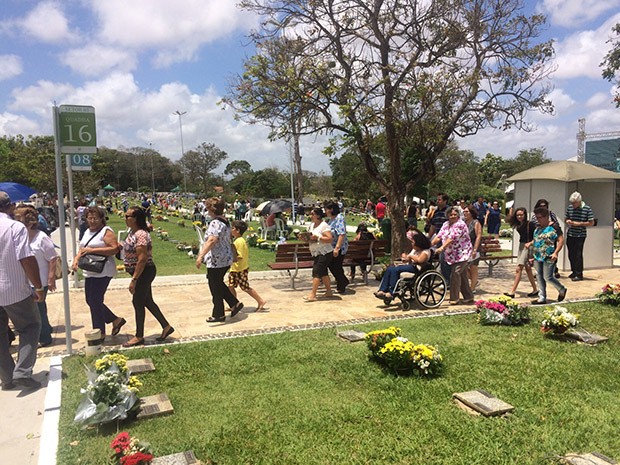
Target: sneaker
[562,295]
[7,386]
[27,383]
[533,294]
[577,277]
[538,302]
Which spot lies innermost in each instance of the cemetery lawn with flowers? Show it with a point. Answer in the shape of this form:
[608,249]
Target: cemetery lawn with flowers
[307,397]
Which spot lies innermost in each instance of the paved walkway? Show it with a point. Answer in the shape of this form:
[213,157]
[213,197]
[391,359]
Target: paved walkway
[186,302]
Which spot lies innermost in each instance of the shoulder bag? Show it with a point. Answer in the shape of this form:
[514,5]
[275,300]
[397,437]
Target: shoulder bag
[90,261]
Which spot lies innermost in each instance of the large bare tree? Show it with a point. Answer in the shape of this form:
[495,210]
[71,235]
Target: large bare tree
[412,73]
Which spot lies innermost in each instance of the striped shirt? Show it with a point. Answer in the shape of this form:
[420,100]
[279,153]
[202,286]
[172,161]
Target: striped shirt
[582,214]
[14,246]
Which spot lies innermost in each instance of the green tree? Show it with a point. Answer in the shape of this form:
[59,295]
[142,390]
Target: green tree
[492,167]
[611,62]
[269,183]
[525,160]
[414,73]
[349,175]
[457,174]
[199,164]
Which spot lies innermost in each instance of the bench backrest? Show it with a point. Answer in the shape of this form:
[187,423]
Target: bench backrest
[358,250]
[489,244]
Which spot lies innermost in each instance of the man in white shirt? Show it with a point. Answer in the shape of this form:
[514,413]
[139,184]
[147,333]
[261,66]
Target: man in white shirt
[17,266]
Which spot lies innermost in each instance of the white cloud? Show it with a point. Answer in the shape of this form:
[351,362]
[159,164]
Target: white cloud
[83,61]
[12,124]
[10,66]
[580,54]
[176,30]
[599,99]
[129,116]
[47,23]
[570,13]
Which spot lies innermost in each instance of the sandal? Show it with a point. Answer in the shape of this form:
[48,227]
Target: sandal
[328,294]
[379,294]
[310,299]
[117,328]
[236,309]
[137,341]
[261,307]
[165,334]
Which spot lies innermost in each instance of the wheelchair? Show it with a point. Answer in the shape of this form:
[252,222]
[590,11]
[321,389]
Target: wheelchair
[427,286]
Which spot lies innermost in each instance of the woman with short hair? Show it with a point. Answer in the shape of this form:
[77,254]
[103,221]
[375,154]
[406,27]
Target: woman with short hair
[217,254]
[43,249]
[99,239]
[321,249]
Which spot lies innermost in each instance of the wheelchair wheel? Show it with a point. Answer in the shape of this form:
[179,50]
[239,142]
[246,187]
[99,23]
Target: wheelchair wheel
[406,304]
[431,289]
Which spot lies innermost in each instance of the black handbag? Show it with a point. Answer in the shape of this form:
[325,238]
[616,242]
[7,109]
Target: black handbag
[91,261]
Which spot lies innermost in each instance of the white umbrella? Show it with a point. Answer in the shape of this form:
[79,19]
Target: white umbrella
[262,205]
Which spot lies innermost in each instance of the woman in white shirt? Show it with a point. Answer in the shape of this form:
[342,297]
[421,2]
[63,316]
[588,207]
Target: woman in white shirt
[43,249]
[322,250]
[99,239]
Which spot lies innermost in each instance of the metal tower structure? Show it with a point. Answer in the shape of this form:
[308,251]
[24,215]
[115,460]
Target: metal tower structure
[582,136]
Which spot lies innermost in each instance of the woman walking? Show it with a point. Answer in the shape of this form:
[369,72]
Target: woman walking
[99,239]
[493,218]
[43,249]
[455,242]
[217,254]
[321,249]
[525,228]
[138,259]
[470,215]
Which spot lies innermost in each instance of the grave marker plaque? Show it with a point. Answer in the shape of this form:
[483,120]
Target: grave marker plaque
[182,458]
[352,335]
[155,406]
[584,336]
[142,365]
[593,458]
[483,402]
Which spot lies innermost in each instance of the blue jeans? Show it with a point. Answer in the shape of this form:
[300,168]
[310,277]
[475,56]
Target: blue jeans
[391,275]
[545,274]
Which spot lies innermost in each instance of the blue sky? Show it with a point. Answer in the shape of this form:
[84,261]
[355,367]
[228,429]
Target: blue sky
[139,61]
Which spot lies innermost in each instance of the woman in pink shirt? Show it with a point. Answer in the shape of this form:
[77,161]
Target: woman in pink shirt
[456,246]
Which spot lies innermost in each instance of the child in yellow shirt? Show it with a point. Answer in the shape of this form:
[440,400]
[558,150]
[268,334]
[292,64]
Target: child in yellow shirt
[238,275]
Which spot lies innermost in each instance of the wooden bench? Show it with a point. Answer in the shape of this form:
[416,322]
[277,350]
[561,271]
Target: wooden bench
[295,257]
[490,249]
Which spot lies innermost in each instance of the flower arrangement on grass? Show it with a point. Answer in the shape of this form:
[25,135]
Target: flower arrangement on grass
[111,393]
[401,355]
[610,294]
[252,239]
[181,223]
[558,320]
[375,340]
[130,450]
[502,310]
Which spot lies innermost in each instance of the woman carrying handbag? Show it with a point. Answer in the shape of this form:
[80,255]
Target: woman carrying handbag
[99,239]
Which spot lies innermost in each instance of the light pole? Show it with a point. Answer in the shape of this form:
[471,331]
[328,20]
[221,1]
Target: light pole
[152,170]
[180,114]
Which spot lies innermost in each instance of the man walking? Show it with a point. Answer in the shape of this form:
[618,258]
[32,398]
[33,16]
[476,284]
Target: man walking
[17,266]
[578,217]
[339,243]
[547,243]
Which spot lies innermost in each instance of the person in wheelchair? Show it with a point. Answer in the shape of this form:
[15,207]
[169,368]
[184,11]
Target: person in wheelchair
[419,255]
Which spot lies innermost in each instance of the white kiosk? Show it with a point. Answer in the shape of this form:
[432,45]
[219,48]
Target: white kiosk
[555,182]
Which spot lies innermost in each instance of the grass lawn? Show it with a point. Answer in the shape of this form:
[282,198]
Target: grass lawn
[309,398]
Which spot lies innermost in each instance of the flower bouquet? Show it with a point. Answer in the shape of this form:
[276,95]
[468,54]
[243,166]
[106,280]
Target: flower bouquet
[610,294]
[502,311]
[111,393]
[558,320]
[130,450]
[375,340]
[403,356]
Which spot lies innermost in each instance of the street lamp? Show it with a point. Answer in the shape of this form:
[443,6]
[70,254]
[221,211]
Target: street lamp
[152,170]
[180,114]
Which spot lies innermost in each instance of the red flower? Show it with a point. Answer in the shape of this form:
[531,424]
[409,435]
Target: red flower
[120,442]
[139,458]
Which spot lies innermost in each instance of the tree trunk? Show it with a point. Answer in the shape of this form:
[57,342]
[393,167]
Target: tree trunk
[399,238]
[299,184]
